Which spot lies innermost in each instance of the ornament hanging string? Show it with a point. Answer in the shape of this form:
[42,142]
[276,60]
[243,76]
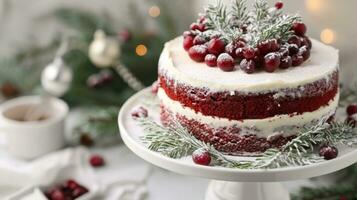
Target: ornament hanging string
[133,82]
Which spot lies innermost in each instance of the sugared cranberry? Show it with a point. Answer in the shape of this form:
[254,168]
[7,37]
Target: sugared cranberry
[294,40]
[264,46]
[249,52]
[188,33]
[279,5]
[285,62]
[194,26]
[284,52]
[240,44]
[139,112]
[305,41]
[328,152]
[351,109]
[198,53]
[304,52]
[155,87]
[187,42]
[199,40]
[201,27]
[225,62]
[274,45]
[299,28]
[211,60]
[271,62]
[201,157]
[239,53]
[297,60]
[216,46]
[351,120]
[230,49]
[96,160]
[248,66]
[293,49]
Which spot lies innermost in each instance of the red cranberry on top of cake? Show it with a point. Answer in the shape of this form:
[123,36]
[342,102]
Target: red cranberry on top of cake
[245,81]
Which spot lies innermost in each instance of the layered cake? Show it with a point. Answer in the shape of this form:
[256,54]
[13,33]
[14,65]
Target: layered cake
[245,83]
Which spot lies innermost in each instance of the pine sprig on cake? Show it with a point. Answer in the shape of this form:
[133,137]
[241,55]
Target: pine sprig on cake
[175,141]
[263,38]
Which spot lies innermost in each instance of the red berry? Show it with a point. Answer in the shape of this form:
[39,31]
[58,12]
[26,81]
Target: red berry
[293,49]
[72,184]
[249,52]
[294,40]
[351,109]
[225,62]
[239,53]
[271,62]
[201,27]
[187,42]
[199,40]
[299,28]
[198,53]
[139,112]
[328,152]
[230,49]
[124,35]
[284,52]
[279,5]
[57,195]
[305,41]
[201,157]
[274,45]
[155,87]
[248,66]
[304,52]
[297,60]
[264,47]
[194,26]
[216,46]
[211,60]
[96,160]
[285,62]
[188,33]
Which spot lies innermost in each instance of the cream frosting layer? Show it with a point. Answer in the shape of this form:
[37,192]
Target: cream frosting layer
[285,125]
[176,64]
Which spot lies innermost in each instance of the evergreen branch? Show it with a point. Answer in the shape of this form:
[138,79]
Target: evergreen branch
[239,13]
[261,8]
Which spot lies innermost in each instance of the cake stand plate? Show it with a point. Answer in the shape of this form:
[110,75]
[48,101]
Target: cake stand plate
[227,184]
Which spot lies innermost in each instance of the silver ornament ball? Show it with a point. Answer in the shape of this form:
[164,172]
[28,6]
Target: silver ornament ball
[56,77]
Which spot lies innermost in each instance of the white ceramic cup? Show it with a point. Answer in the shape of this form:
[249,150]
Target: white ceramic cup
[31,139]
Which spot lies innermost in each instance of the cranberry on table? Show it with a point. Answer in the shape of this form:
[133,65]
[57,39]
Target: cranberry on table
[279,5]
[293,49]
[248,66]
[285,62]
[201,157]
[225,62]
[351,109]
[96,160]
[299,28]
[239,53]
[198,53]
[274,45]
[264,46]
[305,41]
[231,49]
[211,60]
[304,52]
[271,62]
[187,42]
[249,52]
[216,46]
[297,60]
[328,152]
[294,40]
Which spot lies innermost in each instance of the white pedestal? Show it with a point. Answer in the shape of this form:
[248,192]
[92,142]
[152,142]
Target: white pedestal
[223,190]
[253,184]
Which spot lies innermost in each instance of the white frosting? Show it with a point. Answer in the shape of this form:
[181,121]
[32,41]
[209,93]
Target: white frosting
[268,127]
[176,63]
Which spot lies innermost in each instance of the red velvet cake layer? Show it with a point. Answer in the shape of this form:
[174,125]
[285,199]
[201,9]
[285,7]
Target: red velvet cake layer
[240,105]
[225,139]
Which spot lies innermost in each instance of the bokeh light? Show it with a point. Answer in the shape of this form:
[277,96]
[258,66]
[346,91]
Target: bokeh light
[328,36]
[154,11]
[141,50]
[314,5]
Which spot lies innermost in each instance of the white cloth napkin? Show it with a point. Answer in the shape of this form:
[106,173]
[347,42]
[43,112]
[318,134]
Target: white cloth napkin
[122,178]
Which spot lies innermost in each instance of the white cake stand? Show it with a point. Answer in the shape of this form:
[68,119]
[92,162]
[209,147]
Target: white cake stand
[227,184]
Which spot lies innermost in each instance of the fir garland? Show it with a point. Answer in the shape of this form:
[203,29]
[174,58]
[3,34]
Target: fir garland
[175,141]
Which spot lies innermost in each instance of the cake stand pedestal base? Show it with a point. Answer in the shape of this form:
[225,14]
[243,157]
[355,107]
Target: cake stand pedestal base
[223,190]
